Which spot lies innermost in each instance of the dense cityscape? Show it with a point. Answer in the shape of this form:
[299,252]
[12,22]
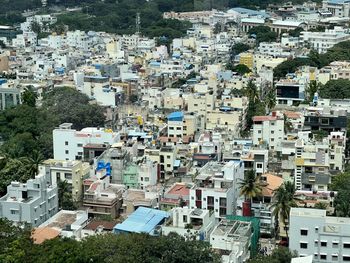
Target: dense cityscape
[174,131]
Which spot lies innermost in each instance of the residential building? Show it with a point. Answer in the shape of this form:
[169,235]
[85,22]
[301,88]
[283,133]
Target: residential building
[9,97]
[68,143]
[233,240]
[100,196]
[290,92]
[32,202]
[269,130]
[325,118]
[189,222]
[173,197]
[322,41]
[324,237]
[216,188]
[72,172]
[67,223]
[338,8]
[209,148]
[143,220]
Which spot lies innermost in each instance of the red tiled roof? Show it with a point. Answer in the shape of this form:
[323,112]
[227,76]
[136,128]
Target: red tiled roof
[179,189]
[264,118]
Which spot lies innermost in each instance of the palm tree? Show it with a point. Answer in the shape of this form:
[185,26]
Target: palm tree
[270,99]
[29,96]
[284,199]
[251,91]
[33,162]
[64,191]
[250,186]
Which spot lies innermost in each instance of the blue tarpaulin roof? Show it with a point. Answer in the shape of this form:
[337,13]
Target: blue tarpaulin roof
[143,220]
[176,116]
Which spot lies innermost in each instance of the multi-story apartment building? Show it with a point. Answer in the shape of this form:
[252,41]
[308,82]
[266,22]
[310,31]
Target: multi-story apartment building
[209,148]
[322,41]
[217,188]
[325,118]
[254,158]
[234,239]
[189,222]
[337,144]
[324,237]
[32,202]
[311,165]
[290,92]
[100,196]
[73,172]
[180,125]
[269,130]
[68,143]
[338,8]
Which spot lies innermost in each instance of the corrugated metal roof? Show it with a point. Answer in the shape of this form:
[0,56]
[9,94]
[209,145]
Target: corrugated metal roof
[143,220]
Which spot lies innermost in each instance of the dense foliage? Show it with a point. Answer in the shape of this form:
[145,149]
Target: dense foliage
[341,184]
[340,51]
[263,34]
[17,246]
[335,89]
[27,130]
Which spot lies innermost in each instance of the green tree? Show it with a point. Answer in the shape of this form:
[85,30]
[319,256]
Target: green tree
[65,199]
[263,34]
[311,89]
[279,255]
[283,199]
[321,205]
[335,89]
[270,99]
[29,96]
[250,186]
[239,48]
[32,162]
[241,69]
[251,91]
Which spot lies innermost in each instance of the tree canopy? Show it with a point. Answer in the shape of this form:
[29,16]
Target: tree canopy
[335,89]
[17,246]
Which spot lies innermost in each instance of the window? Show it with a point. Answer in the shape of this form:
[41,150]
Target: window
[259,165]
[67,152]
[315,256]
[171,128]
[323,243]
[334,257]
[316,243]
[184,218]
[335,244]
[14,212]
[79,145]
[168,165]
[66,143]
[346,258]
[323,256]
[303,232]
[168,157]
[68,176]
[346,245]
[303,245]
[146,179]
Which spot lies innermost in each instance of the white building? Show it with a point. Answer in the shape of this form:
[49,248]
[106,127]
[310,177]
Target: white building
[187,222]
[322,41]
[32,202]
[338,8]
[68,143]
[314,233]
[233,238]
[269,131]
[217,188]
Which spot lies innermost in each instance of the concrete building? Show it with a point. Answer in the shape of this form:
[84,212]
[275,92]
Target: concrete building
[289,92]
[189,222]
[33,202]
[269,131]
[68,143]
[73,172]
[233,239]
[326,118]
[98,88]
[9,97]
[100,196]
[209,148]
[180,125]
[322,41]
[217,188]
[171,198]
[338,8]
[324,237]
[68,223]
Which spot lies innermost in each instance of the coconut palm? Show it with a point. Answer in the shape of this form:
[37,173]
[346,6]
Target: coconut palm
[284,200]
[251,91]
[270,99]
[250,186]
[33,162]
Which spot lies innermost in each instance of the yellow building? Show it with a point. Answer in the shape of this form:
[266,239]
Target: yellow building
[247,59]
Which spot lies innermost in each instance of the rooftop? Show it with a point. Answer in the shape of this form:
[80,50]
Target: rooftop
[143,220]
